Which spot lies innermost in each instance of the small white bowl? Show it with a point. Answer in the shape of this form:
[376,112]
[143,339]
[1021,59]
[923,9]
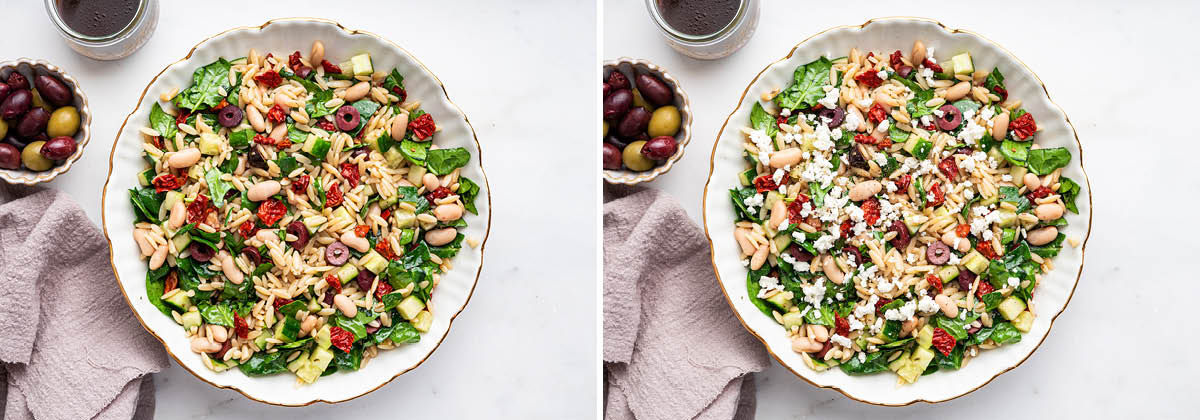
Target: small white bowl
[632,67]
[890,34]
[32,68]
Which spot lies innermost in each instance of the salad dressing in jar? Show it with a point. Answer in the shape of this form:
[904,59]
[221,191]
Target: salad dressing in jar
[104,29]
[705,29]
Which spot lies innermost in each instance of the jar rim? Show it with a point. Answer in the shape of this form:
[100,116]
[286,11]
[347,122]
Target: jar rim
[52,11]
[666,27]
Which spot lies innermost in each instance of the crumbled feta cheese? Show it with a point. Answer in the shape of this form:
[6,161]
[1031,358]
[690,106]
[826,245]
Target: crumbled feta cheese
[825,242]
[852,121]
[814,293]
[1014,282]
[767,284]
[882,74]
[926,305]
[841,341]
[855,324]
[903,313]
[830,100]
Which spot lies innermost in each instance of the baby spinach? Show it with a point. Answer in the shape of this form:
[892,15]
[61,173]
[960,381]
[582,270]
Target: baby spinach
[921,151]
[352,325]
[1045,161]
[761,120]
[287,164]
[155,285]
[291,308]
[207,84]
[217,314]
[897,136]
[393,80]
[951,361]
[241,139]
[1005,333]
[410,195]
[217,187]
[261,363]
[1013,195]
[414,151]
[994,79]
[920,192]
[806,88]
[448,250]
[443,161]
[738,196]
[1068,190]
[822,316]
[1015,152]
[956,327]
[872,363]
[404,333]
[916,106]
[366,108]
[467,191]
[1051,249]
[992,300]
[146,203]
[891,330]
[236,90]
[348,361]
[752,288]
[965,105]
[163,123]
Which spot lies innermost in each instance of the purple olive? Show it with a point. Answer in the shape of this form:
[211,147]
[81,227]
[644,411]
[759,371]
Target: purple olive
[364,280]
[298,229]
[229,116]
[233,192]
[201,252]
[634,122]
[59,148]
[973,330]
[858,158]
[252,254]
[616,141]
[370,329]
[53,91]
[965,279]
[10,157]
[328,298]
[303,72]
[347,118]
[14,141]
[337,253]
[951,117]
[220,354]
[937,253]
[799,254]
[820,354]
[612,157]
[850,250]
[659,148]
[617,104]
[605,89]
[16,105]
[835,116]
[902,236]
[4,91]
[904,70]
[617,80]
[33,122]
[18,81]
[654,90]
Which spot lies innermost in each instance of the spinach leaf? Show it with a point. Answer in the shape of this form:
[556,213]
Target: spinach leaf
[218,314]
[1013,195]
[352,325]
[1069,191]
[739,196]
[1005,333]
[822,316]
[916,106]
[920,191]
[241,139]
[286,163]
[1045,161]
[348,361]
[951,361]
[896,344]
[448,250]
[163,123]
[410,195]
[921,151]
[238,292]
[261,364]
[217,187]
[761,120]
[155,286]
[897,136]
[995,78]
[443,161]
[872,363]
[965,105]
[752,289]
[1015,152]
[1051,249]
[467,191]
[956,327]
[393,80]
[366,108]
[207,84]
[992,300]
[806,88]
[891,330]
[229,165]
[146,203]
[818,194]
[296,344]
[405,333]
[414,151]
[291,308]
[236,90]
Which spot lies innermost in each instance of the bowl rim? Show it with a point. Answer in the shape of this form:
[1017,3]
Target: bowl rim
[859,27]
[622,176]
[482,243]
[28,177]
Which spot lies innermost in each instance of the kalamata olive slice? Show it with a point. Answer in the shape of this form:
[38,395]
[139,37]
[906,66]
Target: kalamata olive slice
[659,148]
[10,157]
[201,252]
[364,280]
[902,236]
[33,122]
[298,229]
[966,278]
[229,116]
[347,118]
[820,354]
[5,90]
[604,90]
[337,253]
[303,72]
[634,122]
[937,253]
[232,193]
[835,116]
[16,104]
[328,298]
[252,254]
[951,117]
[52,90]
[799,254]
[654,90]
[616,104]
[618,81]
[255,159]
[18,81]
[904,70]
[612,157]
[370,329]
[973,329]
[858,158]
[59,148]
[852,251]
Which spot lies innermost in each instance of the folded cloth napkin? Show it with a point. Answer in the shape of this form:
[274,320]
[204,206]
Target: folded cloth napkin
[70,347]
[672,346]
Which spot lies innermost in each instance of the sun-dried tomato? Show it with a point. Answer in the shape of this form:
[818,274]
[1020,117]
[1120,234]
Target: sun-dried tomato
[949,167]
[269,79]
[895,60]
[796,207]
[1039,192]
[382,289]
[903,181]
[983,289]
[167,182]
[334,283]
[341,339]
[221,105]
[384,248]
[157,141]
[182,117]
[841,325]
[333,196]
[764,183]
[985,248]
[870,210]
[240,327]
[943,342]
[962,230]
[330,67]
[199,209]
[931,65]
[171,282]
[279,302]
[876,114]
[879,304]
[869,78]
[884,143]
[847,228]
[276,114]
[326,125]
[385,214]
[361,230]
[263,139]
[1024,126]
[350,172]
[284,143]
[422,127]
[1001,92]
[294,60]
[437,194]
[300,184]
[247,229]
[864,139]
[271,210]
[935,282]
[939,197]
[780,120]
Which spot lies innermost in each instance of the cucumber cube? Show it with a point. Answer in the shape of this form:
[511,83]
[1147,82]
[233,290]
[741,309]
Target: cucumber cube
[1011,307]
[362,64]
[415,173]
[925,337]
[210,144]
[423,321]
[374,262]
[191,319]
[948,273]
[316,146]
[975,262]
[1018,175]
[1023,321]
[793,319]
[781,301]
[899,363]
[315,365]
[347,272]
[145,177]
[410,307]
[299,363]
[322,337]
[288,330]
[178,299]
[314,222]
[962,64]
[916,366]
[404,218]
[1007,218]
[746,178]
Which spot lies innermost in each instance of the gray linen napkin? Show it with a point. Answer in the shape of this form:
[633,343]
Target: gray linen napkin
[672,346]
[70,347]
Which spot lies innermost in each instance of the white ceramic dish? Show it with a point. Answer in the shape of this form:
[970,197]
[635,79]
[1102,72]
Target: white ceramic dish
[632,67]
[284,36]
[890,34]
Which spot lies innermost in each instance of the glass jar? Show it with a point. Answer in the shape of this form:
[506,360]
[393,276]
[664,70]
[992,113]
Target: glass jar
[712,46]
[113,46]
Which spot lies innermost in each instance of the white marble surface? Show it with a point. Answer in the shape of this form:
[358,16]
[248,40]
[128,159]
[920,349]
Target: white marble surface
[1122,348]
[525,347]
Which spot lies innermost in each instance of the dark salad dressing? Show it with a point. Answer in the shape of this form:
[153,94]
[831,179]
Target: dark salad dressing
[698,17]
[97,18]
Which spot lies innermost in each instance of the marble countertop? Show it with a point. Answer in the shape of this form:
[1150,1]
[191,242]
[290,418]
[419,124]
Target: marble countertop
[526,346]
[1124,75]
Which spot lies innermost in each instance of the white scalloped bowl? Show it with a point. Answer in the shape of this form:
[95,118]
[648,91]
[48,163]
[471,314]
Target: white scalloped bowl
[632,67]
[284,36]
[32,68]
[890,34]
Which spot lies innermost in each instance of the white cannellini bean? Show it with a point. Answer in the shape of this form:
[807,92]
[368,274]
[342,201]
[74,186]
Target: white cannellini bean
[918,53]
[230,269]
[430,181]
[1042,236]
[439,237]
[359,243]
[805,345]
[256,119]
[358,91]
[951,239]
[139,236]
[829,266]
[263,190]
[864,190]
[1049,211]
[760,257]
[178,215]
[307,325]
[786,157]
[448,212]
[160,256]
[344,304]
[218,333]
[819,333]
[184,158]
[1031,180]
[744,242]
[947,305]
[958,91]
[1000,126]
[204,345]
[400,125]
[267,236]
[778,214]
[278,132]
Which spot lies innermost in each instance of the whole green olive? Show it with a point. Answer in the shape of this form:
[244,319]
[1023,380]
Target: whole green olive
[604,134]
[664,122]
[32,157]
[3,128]
[632,156]
[638,100]
[38,102]
[64,122]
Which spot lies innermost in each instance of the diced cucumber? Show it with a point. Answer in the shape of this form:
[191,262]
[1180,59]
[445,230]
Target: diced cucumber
[1018,175]
[782,241]
[1011,307]
[782,301]
[407,236]
[914,221]
[178,299]
[415,174]
[394,157]
[341,214]
[373,262]
[925,337]
[916,366]
[995,154]
[210,144]
[410,307]
[423,321]
[219,365]
[261,341]
[388,203]
[911,144]
[793,319]
[404,218]
[362,64]
[975,261]
[746,178]
[169,201]
[315,365]
[314,222]
[948,272]
[373,143]
[962,64]
[288,330]
[940,211]
[182,241]
[899,363]
[316,146]
[1006,218]
[347,68]
[191,319]
[145,177]
[299,362]
[1023,321]
[347,272]
[322,337]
